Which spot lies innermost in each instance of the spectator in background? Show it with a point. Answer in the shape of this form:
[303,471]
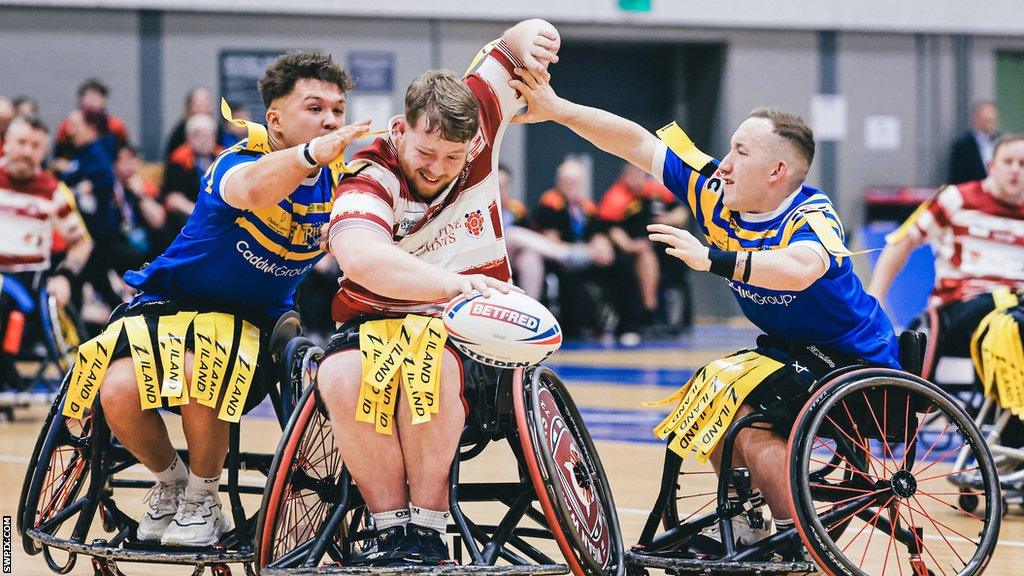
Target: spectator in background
[90,174]
[567,214]
[972,151]
[627,207]
[142,216]
[183,169]
[231,133]
[198,102]
[6,115]
[92,97]
[25,107]
[528,250]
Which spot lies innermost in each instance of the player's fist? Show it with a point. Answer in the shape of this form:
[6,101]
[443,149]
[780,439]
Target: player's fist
[682,245]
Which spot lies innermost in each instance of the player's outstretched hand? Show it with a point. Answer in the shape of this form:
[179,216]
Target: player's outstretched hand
[542,104]
[682,245]
[329,146]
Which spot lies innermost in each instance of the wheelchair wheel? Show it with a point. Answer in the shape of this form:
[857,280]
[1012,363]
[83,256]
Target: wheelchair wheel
[871,488]
[64,330]
[302,493]
[299,362]
[567,475]
[59,469]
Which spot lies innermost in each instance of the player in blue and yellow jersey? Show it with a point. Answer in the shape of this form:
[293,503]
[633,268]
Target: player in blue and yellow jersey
[779,245]
[195,337]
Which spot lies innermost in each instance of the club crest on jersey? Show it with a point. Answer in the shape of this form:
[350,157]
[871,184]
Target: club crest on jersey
[474,223]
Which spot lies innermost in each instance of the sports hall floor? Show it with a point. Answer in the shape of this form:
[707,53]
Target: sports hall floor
[608,384]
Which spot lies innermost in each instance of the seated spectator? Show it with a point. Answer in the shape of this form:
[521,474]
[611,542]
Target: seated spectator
[90,174]
[627,207]
[567,214]
[6,115]
[528,250]
[142,216]
[184,167]
[198,102]
[25,107]
[92,96]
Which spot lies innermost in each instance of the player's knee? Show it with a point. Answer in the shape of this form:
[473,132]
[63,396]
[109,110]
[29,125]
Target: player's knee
[339,377]
[119,391]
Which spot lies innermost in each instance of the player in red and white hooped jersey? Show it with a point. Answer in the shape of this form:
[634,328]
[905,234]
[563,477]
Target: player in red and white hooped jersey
[417,225]
[976,230]
[33,204]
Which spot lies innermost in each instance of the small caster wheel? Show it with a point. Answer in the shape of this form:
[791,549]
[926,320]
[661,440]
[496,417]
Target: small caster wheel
[220,570]
[968,502]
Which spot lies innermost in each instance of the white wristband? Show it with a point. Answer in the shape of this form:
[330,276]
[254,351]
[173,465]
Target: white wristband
[306,154]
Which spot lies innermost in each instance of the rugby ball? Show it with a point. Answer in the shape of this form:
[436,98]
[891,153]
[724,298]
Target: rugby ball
[504,330]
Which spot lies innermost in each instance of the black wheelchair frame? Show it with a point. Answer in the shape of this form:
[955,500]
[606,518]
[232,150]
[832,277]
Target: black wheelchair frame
[519,409]
[681,548]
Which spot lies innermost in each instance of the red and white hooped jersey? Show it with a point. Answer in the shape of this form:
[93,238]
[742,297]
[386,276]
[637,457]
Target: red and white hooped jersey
[460,230]
[978,242]
[29,213]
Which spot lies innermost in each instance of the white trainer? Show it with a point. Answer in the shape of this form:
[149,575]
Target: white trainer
[161,507]
[199,521]
[743,531]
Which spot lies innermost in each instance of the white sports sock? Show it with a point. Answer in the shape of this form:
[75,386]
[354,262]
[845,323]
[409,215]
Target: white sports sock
[176,473]
[385,520]
[198,486]
[434,519]
[781,525]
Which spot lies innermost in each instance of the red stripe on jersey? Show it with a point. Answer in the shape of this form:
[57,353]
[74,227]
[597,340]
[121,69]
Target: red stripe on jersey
[32,212]
[495,220]
[364,185]
[8,260]
[362,216]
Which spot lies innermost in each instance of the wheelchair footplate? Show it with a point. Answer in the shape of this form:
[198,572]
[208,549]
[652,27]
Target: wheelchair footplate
[442,570]
[676,564]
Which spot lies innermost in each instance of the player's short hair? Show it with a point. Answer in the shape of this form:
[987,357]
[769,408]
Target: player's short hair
[280,77]
[1008,138]
[447,103]
[94,84]
[33,123]
[792,129]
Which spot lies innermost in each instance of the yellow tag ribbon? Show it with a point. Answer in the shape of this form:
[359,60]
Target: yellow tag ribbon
[396,352]
[998,353]
[144,359]
[677,141]
[241,373]
[708,402]
[257,140]
[87,374]
[171,332]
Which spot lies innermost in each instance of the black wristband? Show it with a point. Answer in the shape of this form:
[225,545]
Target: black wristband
[746,268]
[63,271]
[723,262]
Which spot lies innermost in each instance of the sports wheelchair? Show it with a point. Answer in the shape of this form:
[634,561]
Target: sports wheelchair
[68,497]
[60,330]
[313,518]
[869,481]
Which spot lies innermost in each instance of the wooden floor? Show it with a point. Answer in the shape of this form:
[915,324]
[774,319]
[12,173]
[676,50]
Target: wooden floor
[608,384]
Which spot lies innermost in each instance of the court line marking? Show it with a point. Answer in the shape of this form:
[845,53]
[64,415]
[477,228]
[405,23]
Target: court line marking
[636,511]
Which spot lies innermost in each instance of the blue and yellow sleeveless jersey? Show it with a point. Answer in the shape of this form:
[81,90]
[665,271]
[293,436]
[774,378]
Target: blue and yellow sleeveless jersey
[244,260]
[834,311]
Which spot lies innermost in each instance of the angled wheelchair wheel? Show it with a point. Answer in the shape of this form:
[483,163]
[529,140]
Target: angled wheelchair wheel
[566,473]
[58,470]
[64,330]
[873,489]
[298,364]
[310,509]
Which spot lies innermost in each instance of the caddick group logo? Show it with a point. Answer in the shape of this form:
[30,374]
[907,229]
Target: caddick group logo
[474,223]
[762,299]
